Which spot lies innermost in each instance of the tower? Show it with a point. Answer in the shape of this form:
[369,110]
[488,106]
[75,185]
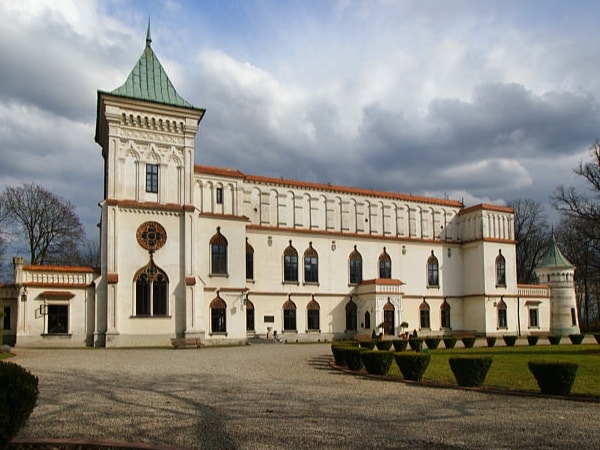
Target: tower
[557,272]
[146,131]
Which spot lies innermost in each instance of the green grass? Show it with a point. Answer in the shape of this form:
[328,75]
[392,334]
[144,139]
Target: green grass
[509,368]
[6,355]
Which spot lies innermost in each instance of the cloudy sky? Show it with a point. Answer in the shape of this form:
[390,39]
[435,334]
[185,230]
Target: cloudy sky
[473,100]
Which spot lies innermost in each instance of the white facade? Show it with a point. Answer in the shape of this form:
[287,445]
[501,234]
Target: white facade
[176,238]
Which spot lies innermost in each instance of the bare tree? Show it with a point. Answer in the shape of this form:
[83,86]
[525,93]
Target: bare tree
[49,224]
[532,234]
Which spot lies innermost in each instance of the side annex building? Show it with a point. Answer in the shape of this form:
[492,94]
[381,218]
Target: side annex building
[215,254]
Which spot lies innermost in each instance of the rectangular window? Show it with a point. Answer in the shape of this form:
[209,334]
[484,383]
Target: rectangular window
[425,323]
[217,320]
[249,319]
[249,265]
[290,268]
[355,271]
[311,269]
[351,320]
[7,317]
[58,319]
[289,320]
[573,317]
[219,195]
[313,319]
[152,178]
[502,321]
[446,318]
[219,259]
[533,318]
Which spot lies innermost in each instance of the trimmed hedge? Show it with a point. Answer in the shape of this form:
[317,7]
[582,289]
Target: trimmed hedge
[416,344]
[352,357]
[432,343]
[554,377]
[554,339]
[468,341]
[412,365]
[597,337]
[338,354]
[400,344]
[383,345]
[510,341]
[450,342]
[491,341]
[367,344]
[470,370]
[377,362]
[532,340]
[576,338]
[18,396]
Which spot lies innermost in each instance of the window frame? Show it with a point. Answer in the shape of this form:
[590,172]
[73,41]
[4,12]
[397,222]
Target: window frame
[151,286]
[500,270]
[445,315]
[249,261]
[152,173]
[290,318]
[311,265]
[355,267]
[218,254]
[290,264]
[53,316]
[424,316]
[219,195]
[534,314]
[502,315]
[433,272]
[385,265]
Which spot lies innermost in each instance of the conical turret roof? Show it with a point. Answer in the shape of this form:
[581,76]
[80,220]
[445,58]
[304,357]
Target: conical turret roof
[554,257]
[148,81]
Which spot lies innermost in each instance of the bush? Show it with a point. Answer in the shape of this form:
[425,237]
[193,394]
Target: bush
[491,341]
[412,365]
[470,371]
[597,337]
[416,344]
[510,341]
[554,377]
[367,344]
[450,342]
[18,396]
[576,338]
[432,343]
[338,354]
[383,345]
[400,344]
[532,340]
[377,363]
[468,341]
[352,357]
[554,339]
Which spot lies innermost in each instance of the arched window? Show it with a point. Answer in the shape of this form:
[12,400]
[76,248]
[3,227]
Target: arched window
[367,319]
[249,261]
[385,265]
[311,265]
[502,317]
[351,316]
[424,315]
[445,314]
[355,265]
[290,264]
[151,288]
[218,309]
[249,315]
[218,253]
[289,316]
[500,270]
[433,278]
[312,312]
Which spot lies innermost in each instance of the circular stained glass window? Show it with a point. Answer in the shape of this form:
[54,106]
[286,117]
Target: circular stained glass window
[151,235]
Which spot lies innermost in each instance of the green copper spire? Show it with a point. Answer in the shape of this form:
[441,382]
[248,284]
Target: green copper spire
[554,257]
[148,81]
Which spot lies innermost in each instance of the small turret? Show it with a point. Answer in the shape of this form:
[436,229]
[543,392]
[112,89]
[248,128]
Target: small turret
[557,272]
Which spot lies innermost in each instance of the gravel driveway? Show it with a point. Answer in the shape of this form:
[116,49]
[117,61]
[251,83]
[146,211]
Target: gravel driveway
[278,396]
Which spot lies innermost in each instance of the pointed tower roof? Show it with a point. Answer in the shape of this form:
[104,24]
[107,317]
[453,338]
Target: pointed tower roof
[553,257]
[148,81]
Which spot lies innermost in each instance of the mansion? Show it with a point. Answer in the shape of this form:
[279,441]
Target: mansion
[192,251]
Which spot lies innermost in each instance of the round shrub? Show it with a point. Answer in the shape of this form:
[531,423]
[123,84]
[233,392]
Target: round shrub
[450,342]
[412,365]
[510,341]
[432,343]
[554,339]
[416,344]
[468,341]
[367,344]
[491,341]
[597,337]
[18,396]
[576,338]
[532,340]
[554,377]
[470,370]
[352,357]
[383,345]
[377,363]
[400,344]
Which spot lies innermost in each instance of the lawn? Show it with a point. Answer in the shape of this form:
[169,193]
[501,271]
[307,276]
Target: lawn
[509,367]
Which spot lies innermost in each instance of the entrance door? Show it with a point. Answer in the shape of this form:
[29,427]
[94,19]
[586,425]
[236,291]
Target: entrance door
[388,319]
